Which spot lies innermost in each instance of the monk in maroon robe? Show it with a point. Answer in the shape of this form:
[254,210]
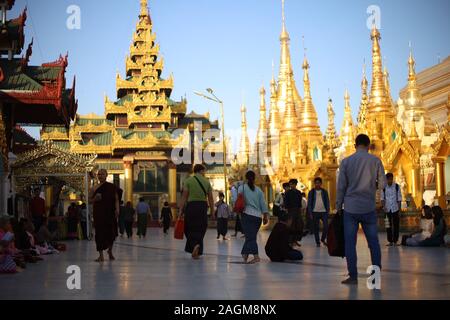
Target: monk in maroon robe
[106,211]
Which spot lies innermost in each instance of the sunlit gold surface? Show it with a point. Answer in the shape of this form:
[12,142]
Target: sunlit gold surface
[402,136]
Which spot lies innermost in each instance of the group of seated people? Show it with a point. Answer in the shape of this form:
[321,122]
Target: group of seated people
[20,244]
[433,230]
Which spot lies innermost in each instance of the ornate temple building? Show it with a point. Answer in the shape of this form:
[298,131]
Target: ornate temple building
[29,95]
[139,131]
[289,143]
[411,141]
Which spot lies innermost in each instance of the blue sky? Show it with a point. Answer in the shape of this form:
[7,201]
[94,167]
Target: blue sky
[229,45]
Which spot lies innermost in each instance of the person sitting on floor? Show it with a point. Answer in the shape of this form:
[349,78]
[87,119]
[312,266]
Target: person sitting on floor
[7,263]
[22,241]
[440,230]
[278,248]
[426,226]
[18,255]
[44,239]
[43,236]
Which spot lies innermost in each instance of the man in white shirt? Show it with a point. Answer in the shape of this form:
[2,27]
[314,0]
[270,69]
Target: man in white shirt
[318,209]
[391,199]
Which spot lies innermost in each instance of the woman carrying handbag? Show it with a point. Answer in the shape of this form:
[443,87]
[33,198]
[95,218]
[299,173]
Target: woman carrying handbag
[254,213]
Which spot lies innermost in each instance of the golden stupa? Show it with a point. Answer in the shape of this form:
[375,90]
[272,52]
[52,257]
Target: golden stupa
[402,133]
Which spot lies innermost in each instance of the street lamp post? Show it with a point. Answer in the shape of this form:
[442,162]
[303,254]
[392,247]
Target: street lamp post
[217,100]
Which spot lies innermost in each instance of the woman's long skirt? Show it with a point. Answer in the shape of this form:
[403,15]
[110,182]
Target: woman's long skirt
[195,224]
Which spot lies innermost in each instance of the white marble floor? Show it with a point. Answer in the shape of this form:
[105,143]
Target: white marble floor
[158,268]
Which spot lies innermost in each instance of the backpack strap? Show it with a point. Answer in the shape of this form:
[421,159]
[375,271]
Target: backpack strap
[201,186]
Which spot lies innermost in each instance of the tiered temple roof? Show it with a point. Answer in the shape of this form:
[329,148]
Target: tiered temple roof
[143,116]
[30,95]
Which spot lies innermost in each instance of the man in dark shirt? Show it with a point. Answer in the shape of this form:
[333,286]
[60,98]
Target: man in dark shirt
[37,209]
[277,246]
[293,205]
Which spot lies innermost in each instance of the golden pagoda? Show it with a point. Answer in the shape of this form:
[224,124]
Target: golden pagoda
[291,135]
[402,133]
[136,136]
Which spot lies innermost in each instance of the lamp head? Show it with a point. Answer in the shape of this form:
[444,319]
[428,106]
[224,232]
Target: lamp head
[209,90]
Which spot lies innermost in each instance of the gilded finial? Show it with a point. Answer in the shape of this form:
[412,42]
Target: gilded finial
[364,82]
[306,83]
[375,32]
[262,91]
[284,33]
[262,128]
[144,8]
[411,64]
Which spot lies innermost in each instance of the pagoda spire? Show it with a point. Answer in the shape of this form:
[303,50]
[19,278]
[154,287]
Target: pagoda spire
[146,93]
[261,137]
[362,114]
[308,124]
[274,115]
[262,116]
[285,72]
[244,150]
[347,135]
[414,101]
[331,136]
[380,110]
[379,100]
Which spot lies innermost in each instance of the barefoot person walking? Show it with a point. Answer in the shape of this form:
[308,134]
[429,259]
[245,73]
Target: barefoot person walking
[106,211]
[254,213]
[196,191]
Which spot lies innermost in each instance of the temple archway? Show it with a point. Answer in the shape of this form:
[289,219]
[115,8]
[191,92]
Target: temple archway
[52,169]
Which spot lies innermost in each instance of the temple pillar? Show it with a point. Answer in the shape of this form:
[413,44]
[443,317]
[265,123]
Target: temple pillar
[440,181]
[128,183]
[173,189]
[416,190]
[48,198]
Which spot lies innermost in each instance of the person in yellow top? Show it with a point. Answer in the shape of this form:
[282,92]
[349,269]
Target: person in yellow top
[197,192]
